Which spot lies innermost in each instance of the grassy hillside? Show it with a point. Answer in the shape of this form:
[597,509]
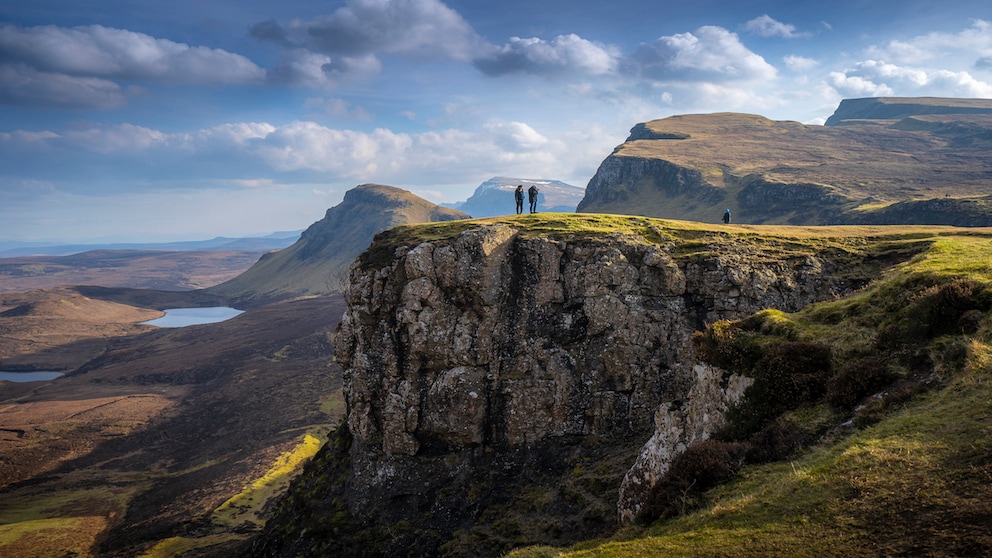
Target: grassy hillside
[790,173]
[898,452]
[318,262]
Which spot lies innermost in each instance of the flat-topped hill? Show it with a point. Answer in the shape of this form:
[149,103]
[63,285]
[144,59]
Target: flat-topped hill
[897,108]
[930,166]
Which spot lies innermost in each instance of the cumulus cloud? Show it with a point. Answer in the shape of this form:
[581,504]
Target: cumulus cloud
[79,67]
[875,77]
[306,150]
[711,54]
[766,26]
[799,63]
[566,53]
[116,53]
[936,64]
[967,46]
[350,40]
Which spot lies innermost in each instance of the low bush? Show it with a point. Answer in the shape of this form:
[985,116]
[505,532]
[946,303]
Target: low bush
[700,467]
[787,375]
[857,380]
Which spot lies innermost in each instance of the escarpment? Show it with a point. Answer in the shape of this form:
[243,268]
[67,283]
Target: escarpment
[887,161]
[502,381]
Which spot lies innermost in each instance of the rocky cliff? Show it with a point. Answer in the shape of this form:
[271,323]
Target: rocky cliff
[893,161]
[487,363]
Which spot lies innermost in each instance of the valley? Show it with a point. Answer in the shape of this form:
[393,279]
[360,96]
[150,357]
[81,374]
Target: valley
[152,428]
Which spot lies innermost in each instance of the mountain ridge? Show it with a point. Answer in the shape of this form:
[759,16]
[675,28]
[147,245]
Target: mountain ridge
[317,263]
[694,166]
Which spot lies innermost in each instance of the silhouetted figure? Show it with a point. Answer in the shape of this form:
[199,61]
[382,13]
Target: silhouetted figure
[726,216]
[518,195]
[532,196]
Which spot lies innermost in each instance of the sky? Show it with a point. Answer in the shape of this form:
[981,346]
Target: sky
[150,121]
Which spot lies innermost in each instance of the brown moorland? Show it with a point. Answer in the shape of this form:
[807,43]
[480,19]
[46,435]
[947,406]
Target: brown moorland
[137,269]
[152,430]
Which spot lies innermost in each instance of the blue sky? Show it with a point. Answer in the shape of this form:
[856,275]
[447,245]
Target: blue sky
[142,120]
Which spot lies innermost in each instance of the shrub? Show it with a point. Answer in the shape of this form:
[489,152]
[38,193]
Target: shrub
[857,380]
[700,467]
[788,375]
[776,441]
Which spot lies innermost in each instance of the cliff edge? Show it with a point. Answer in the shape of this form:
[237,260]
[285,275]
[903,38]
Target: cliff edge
[530,379]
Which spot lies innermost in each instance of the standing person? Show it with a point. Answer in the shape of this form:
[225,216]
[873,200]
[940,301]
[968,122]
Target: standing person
[518,195]
[532,196]
[726,216]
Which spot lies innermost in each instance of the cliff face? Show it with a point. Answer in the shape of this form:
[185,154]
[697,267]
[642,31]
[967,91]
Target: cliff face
[890,162]
[484,354]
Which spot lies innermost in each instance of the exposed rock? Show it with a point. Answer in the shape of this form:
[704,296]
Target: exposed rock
[676,427]
[482,349]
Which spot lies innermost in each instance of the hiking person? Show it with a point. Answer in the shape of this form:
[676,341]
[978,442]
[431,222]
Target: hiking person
[532,196]
[518,195]
[726,216]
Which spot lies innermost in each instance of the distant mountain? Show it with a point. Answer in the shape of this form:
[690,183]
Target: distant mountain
[888,161]
[875,109]
[273,241]
[495,197]
[318,262]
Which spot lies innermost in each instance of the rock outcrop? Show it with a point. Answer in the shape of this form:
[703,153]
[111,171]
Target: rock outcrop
[472,355]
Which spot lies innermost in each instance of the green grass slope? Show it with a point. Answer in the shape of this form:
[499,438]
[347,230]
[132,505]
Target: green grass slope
[318,262]
[898,458]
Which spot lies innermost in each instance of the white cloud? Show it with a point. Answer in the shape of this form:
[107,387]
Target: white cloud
[566,53]
[875,77]
[766,26]
[935,64]
[857,86]
[80,67]
[965,47]
[349,41]
[116,53]
[711,54]
[25,86]
[799,63]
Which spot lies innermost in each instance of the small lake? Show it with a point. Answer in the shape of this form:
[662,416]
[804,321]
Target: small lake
[28,376]
[182,317]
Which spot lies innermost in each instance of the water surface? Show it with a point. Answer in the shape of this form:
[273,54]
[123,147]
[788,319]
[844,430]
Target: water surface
[181,317]
[28,376]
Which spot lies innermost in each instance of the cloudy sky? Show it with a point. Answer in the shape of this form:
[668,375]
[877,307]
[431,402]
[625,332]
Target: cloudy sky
[148,120]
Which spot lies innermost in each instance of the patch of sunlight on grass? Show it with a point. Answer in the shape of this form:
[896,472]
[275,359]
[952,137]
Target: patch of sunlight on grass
[51,538]
[180,546]
[247,505]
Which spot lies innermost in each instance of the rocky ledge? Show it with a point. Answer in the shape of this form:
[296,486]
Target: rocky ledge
[487,351]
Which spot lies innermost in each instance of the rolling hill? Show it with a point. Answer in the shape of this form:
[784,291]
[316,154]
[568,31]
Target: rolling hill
[318,262]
